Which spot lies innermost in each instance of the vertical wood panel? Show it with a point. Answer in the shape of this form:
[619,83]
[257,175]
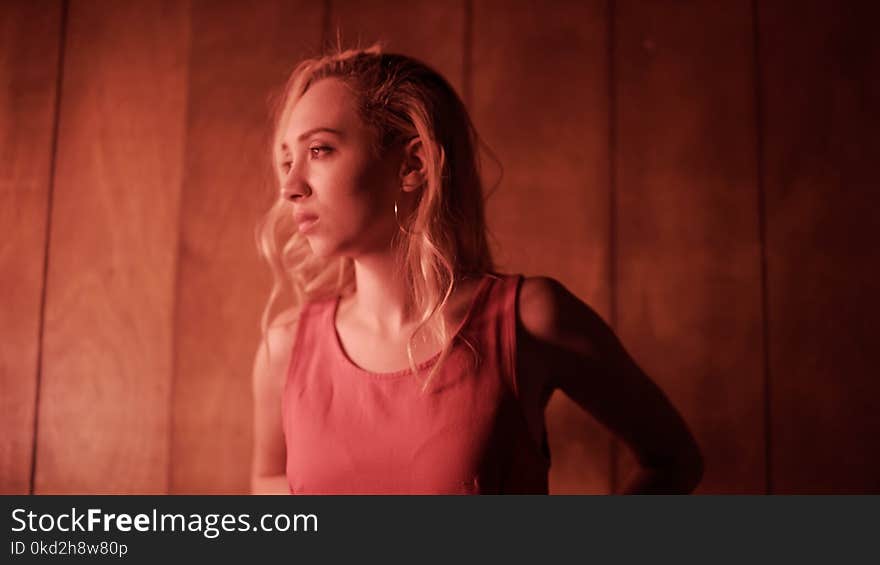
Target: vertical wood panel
[432,32]
[540,103]
[29,52]
[241,53]
[821,95]
[103,418]
[689,249]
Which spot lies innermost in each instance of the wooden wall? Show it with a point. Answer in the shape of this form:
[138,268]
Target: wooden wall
[699,172]
[30,37]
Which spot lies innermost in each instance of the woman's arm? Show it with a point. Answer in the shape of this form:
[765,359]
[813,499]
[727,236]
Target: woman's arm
[269,373]
[585,360]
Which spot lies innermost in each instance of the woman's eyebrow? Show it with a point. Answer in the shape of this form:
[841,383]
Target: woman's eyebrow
[306,134]
[303,136]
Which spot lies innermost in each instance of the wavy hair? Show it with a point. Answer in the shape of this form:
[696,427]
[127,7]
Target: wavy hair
[443,240]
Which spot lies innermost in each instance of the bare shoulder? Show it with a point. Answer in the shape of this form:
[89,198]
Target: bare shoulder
[546,306]
[550,313]
[273,353]
[539,305]
[285,322]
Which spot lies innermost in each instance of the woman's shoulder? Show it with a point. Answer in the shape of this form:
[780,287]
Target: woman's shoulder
[284,326]
[280,335]
[551,313]
[539,303]
[536,298]
[286,317]
[286,322]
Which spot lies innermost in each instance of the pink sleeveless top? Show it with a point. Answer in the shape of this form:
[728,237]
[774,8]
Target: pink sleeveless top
[352,431]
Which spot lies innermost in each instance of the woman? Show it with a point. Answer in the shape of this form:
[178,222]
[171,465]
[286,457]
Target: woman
[407,365]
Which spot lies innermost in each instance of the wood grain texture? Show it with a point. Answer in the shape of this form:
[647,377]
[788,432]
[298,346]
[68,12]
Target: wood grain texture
[688,237]
[29,52]
[432,32]
[104,414]
[540,83]
[241,54]
[821,96]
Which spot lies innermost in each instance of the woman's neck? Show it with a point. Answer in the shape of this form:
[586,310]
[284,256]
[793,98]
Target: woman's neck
[381,301]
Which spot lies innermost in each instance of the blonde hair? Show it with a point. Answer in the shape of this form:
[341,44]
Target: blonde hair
[445,237]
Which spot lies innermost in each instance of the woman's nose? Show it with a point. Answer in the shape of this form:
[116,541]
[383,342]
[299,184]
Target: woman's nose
[294,186]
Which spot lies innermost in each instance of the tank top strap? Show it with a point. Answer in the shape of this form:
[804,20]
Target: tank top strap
[308,331]
[494,324]
[508,296]
[310,312]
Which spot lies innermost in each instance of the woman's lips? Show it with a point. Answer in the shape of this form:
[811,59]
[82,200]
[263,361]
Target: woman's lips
[305,221]
[306,226]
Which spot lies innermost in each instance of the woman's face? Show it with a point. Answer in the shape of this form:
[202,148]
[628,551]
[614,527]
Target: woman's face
[329,172]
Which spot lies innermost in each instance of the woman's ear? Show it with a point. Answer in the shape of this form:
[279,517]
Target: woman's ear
[412,170]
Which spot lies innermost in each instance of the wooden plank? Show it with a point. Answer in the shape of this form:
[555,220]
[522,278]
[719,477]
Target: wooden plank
[240,54]
[29,51]
[429,31]
[689,291]
[107,358]
[540,103]
[820,93]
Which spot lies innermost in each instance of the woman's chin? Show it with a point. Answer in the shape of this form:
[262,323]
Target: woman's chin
[322,249]
[351,249]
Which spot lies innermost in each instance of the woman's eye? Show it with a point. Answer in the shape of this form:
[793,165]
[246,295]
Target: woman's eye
[319,151]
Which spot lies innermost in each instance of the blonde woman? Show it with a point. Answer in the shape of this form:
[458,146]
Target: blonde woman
[407,364]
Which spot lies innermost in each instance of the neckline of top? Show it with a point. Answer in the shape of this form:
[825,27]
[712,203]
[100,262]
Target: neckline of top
[477,296]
